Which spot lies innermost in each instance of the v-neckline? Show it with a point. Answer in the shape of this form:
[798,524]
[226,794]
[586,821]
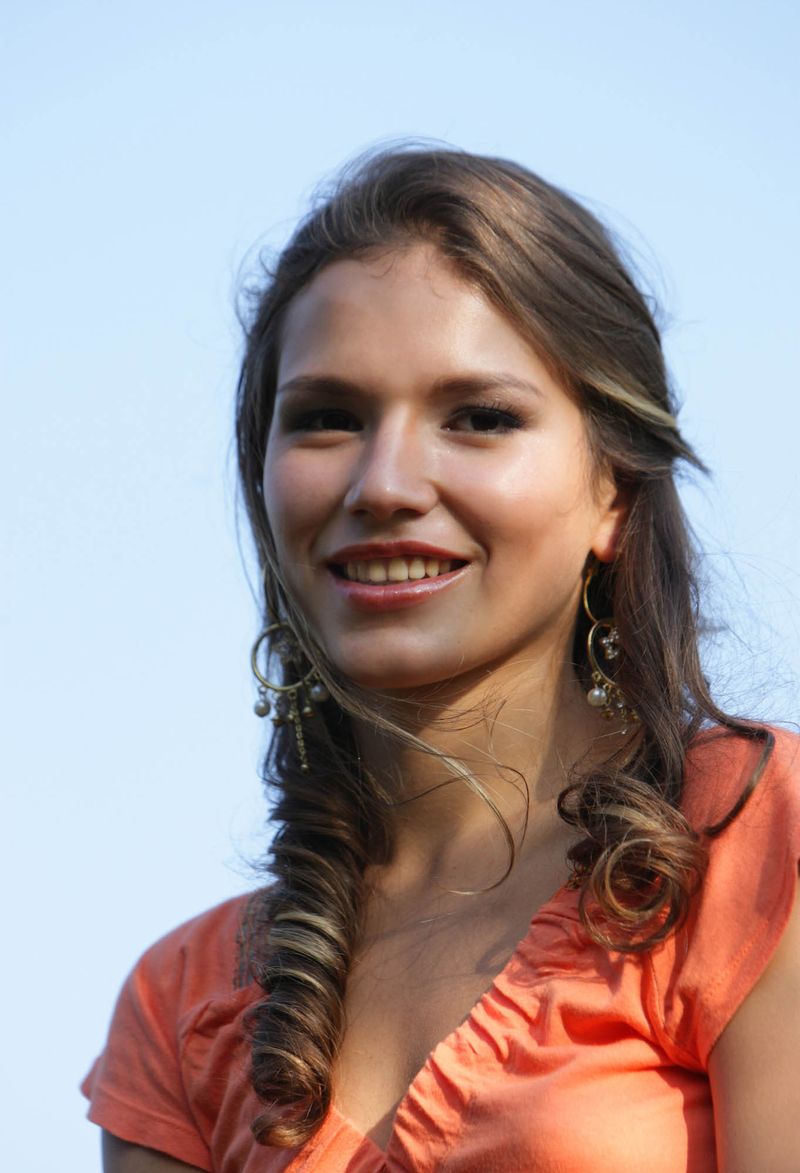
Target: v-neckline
[450,1040]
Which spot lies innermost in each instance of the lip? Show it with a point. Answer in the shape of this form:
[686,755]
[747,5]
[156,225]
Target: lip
[363,551]
[394,596]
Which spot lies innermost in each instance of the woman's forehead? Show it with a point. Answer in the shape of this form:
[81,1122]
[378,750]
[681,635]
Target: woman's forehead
[400,310]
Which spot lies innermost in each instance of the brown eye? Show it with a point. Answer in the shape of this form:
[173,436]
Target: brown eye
[324,419]
[486,420]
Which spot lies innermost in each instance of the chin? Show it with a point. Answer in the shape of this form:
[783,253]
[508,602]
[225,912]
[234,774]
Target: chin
[409,675]
[398,680]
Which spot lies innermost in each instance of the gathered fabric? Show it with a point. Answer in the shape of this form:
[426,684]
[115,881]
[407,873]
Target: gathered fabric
[575,1060]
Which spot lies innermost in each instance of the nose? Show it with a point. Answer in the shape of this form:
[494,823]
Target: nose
[394,473]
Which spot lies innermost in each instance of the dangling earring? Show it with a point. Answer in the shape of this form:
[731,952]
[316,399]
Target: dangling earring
[604,693]
[295,701]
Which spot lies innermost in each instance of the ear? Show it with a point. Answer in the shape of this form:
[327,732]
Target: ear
[615,504]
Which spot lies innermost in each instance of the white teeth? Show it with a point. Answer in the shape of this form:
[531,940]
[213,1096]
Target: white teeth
[380,570]
[398,570]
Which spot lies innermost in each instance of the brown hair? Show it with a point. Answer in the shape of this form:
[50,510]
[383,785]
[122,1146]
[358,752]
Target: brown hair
[553,269]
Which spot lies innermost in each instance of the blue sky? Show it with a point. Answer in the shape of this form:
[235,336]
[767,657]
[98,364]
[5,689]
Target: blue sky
[148,147]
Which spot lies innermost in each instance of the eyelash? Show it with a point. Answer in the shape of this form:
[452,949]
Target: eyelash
[306,421]
[505,416]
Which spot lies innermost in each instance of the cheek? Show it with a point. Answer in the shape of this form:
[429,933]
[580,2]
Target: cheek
[298,495]
[282,495]
[542,491]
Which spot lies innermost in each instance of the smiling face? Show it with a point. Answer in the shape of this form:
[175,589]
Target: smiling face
[428,482]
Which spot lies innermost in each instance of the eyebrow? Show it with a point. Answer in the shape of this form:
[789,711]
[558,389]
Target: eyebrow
[467,384]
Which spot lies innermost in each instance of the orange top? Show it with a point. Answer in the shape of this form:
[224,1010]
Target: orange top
[575,1059]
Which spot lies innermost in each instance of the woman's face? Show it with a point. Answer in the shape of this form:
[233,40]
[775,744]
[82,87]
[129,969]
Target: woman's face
[428,482]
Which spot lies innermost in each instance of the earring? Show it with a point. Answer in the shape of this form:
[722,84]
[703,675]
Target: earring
[604,694]
[294,701]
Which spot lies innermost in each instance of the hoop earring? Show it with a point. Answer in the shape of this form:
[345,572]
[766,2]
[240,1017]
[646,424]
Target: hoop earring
[605,694]
[294,701]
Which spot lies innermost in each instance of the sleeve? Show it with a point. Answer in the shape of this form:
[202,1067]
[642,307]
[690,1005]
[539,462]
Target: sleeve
[136,1086]
[742,909]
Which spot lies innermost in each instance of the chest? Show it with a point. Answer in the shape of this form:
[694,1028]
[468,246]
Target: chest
[557,1069]
[412,986]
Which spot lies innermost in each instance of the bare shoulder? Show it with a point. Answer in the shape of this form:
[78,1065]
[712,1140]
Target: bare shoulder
[754,1069]
[121,1157]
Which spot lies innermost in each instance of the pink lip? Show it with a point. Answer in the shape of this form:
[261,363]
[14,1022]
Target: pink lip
[393,596]
[396,549]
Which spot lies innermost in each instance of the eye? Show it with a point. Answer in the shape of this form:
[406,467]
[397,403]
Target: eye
[486,418]
[323,419]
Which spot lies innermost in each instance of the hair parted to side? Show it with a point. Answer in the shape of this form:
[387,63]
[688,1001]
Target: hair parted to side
[552,268]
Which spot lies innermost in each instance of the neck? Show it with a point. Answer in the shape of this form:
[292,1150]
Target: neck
[515,733]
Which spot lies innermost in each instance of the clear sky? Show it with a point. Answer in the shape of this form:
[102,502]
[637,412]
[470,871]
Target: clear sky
[146,147]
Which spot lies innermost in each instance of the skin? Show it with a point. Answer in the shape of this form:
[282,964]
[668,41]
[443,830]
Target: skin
[121,1157]
[404,452]
[385,429]
[753,1069]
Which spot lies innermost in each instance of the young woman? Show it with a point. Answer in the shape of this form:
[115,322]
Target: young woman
[533,896]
